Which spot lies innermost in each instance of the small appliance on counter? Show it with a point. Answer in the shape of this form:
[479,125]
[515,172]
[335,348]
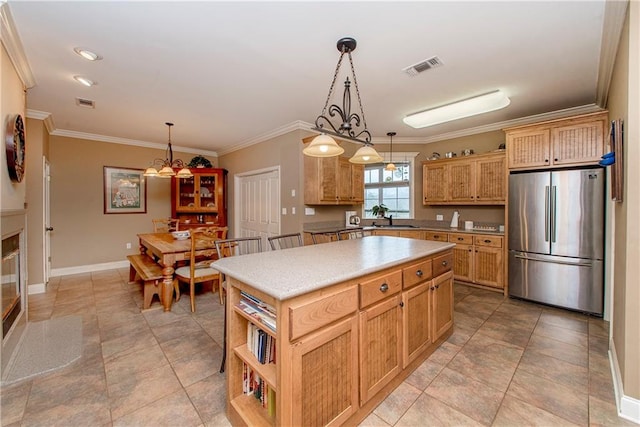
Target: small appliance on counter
[352,219]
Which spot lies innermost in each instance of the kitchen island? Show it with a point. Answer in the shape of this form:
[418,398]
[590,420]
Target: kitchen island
[344,324]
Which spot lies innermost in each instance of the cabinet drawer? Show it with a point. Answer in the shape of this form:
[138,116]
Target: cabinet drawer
[442,263]
[309,317]
[437,236]
[416,273]
[380,287]
[465,239]
[492,241]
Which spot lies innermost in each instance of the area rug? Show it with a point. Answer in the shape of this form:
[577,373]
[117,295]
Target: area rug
[46,346]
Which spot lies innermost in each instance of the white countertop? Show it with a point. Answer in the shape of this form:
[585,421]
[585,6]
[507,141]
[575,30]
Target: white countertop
[288,273]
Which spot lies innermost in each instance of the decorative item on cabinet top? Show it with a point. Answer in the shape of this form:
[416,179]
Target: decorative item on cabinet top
[200,162]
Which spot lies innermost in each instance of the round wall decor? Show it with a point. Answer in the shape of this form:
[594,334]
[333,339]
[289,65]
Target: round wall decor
[15,146]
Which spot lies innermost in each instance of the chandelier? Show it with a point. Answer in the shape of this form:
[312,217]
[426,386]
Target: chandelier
[167,165]
[349,129]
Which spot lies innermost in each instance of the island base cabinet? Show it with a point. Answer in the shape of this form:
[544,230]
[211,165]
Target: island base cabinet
[442,304]
[325,376]
[380,346]
[417,324]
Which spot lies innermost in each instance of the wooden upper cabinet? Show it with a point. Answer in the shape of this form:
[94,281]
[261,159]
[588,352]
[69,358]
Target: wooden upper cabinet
[479,179]
[434,177]
[578,140]
[332,181]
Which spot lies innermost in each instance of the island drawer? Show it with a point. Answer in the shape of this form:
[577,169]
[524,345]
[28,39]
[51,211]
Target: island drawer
[416,273]
[465,239]
[438,236]
[492,241]
[442,263]
[380,287]
[311,316]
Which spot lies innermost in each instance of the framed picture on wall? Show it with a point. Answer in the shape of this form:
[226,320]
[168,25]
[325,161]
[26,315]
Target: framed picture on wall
[125,191]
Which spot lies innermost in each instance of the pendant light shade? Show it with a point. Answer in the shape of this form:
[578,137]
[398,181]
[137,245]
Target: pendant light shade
[323,146]
[366,155]
[390,166]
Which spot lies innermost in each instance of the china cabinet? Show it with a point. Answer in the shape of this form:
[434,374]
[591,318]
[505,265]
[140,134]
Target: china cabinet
[201,199]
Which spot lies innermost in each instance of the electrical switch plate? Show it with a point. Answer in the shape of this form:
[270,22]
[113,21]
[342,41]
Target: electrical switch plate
[293,211]
[439,218]
[309,211]
[128,245]
[293,193]
[284,211]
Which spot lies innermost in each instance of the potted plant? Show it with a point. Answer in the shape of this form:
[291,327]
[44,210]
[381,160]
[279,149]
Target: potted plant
[199,162]
[379,210]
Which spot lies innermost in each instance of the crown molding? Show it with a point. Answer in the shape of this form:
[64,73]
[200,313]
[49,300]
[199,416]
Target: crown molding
[47,118]
[133,142]
[13,45]
[290,127]
[615,13]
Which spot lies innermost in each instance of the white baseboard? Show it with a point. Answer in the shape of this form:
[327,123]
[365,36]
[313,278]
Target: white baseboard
[55,272]
[628,407]
[38,288]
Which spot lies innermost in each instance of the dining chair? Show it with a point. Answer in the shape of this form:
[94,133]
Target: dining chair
[199,270]
[285,241]
[315,236]
[165,225]
[234,247]
[356,233]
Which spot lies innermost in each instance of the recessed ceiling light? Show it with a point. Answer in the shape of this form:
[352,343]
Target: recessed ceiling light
[87,54]
[85,81]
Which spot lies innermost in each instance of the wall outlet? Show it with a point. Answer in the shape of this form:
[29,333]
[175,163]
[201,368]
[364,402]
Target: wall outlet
[284,211]
[293,193]
[309,211]
[293,211]
[128,245]
[439,218]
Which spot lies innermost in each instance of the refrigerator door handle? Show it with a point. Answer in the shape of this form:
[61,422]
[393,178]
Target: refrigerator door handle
[552,215]
[577,264]
[546,213]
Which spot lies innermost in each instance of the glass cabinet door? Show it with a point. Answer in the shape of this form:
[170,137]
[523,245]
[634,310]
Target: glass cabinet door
[207,191]
[188,192]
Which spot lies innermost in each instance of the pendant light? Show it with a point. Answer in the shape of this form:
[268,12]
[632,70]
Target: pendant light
[349,129]
[168,164]
[390,166]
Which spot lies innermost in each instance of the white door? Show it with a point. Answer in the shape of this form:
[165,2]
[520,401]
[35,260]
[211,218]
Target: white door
[47,220]
[257,204]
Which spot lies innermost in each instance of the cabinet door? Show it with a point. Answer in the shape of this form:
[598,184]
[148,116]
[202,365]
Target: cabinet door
[357,183]
[463,262]
[488,266]
[578,144]
[461,183]
[207,191]
[434,183]
[528,148]
[442,304]
[186,194]
[344,180]
[416,321]
[380,346]
[490,180]
[325,375]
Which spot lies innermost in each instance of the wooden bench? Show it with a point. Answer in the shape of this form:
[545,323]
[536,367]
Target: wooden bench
[150,272]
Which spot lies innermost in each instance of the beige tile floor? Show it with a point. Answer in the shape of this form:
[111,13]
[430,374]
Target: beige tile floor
[508,363]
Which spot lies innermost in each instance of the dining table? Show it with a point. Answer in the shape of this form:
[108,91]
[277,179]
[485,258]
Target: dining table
[167,251]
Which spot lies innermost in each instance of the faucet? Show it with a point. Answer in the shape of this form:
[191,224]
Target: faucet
[390,218]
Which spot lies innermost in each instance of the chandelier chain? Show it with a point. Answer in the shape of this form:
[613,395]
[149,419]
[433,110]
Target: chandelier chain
[333,83]
[355,82]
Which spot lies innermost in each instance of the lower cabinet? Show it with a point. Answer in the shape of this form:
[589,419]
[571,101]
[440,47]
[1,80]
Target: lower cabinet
[380,346]
[416,321]
[442,304]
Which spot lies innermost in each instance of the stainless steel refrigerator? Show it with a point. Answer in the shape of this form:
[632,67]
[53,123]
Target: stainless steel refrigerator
[556,238]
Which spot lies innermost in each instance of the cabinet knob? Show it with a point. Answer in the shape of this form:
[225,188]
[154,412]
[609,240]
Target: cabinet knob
[444,263]
[555,160]
[487,241]
[546,160]
[437,286]
[419,273]
[460,238]
[384,287]
[401,304]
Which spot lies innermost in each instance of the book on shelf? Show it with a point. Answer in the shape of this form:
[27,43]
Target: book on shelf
[261,344]
[252,384]
[257,311]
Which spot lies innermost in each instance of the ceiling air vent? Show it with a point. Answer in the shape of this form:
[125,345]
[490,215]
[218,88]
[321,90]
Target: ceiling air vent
[85,103]
[427,64]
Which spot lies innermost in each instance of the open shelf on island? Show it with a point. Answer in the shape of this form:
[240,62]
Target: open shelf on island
[266,371]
